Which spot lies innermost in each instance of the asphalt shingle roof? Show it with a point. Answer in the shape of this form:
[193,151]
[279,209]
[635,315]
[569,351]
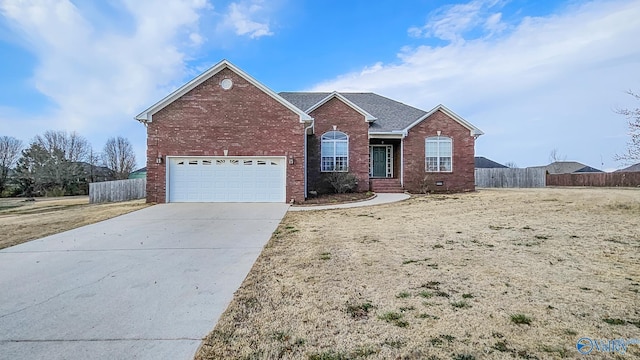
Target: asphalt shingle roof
[483,162]
[566,167]
[391,115]
[635,167]
[588,169]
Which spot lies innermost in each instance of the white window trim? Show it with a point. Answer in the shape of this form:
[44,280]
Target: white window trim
[439,139]
[334,141]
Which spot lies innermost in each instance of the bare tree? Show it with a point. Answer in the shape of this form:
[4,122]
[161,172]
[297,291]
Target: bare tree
[554,156]
[72,146]
[118,156]
[511,164]
[93,159]
[9,151]
[633,145]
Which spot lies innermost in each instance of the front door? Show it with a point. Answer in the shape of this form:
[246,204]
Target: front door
[379,156]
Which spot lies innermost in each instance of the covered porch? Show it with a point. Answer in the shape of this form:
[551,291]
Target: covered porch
[385,164]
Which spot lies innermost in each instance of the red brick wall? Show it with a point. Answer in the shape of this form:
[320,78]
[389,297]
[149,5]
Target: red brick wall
[207,120]
[462,176]
[350,122]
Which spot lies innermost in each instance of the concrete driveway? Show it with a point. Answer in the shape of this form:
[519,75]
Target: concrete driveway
[146,285]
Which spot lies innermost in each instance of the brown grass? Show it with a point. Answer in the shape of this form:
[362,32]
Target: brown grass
[328,199]
[22,221]
[493,274]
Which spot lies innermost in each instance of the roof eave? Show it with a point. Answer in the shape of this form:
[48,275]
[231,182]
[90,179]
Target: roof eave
[473,130]
[393,134]
[147,115]
[367,116]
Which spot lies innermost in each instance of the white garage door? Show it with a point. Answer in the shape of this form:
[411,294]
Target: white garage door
[226,179]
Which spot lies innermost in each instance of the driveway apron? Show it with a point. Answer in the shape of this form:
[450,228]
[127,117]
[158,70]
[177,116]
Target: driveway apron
[146,285]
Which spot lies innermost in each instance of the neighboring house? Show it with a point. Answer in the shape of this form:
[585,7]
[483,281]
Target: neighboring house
[632,168]
[588,169]
[139,174]
[224,136]
[482,162]
[567,167]
[95,173]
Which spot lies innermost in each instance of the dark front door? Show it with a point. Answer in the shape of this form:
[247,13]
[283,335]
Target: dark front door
[379,154]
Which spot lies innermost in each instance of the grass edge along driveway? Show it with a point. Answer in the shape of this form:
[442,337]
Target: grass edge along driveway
[513,273]
[22,221]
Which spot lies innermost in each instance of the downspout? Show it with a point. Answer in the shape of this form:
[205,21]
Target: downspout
[305,158]
[404,135]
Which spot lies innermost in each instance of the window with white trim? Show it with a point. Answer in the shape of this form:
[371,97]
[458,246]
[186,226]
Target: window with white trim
[438,154]
[334,151]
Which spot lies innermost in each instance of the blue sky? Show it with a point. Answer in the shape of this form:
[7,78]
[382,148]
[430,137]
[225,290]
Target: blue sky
[533,75]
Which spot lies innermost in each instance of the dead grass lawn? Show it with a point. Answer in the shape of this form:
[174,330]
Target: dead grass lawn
[443,277]
[22,221]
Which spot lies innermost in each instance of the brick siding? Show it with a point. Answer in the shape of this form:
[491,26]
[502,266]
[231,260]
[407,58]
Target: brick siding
[461,178]
[207,120]
[350,122]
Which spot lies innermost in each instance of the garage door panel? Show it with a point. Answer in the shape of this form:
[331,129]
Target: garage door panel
[226,179]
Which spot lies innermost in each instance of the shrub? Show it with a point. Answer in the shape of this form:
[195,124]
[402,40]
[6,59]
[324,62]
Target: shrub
[341,182]
[520,319]
[428,184]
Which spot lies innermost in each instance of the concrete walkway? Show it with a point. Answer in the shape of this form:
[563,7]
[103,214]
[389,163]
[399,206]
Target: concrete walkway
[379,199]
[146,285]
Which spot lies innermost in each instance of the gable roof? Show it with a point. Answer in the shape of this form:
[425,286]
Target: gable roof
[474,131]
[634,167]
[390,116]
[147,115]
[141,170]
[367,117]
[566,167]
[588,169]
[482,162]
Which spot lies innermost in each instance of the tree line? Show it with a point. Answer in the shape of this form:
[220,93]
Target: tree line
[58,163]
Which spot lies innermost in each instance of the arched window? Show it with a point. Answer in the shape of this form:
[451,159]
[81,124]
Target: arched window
[334,151]
[438,154]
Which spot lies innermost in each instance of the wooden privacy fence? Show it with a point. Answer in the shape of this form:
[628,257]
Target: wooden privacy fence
[614,179]
[119,190]
[510,178]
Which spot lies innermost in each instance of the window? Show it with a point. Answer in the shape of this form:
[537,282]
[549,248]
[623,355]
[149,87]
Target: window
[334,151]
[438,154]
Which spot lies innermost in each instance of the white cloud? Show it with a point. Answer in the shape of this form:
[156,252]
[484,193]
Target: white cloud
[493,24]
[100,63]
[544,83]
[452,22]
[92,76]
[97,79]
[247,18]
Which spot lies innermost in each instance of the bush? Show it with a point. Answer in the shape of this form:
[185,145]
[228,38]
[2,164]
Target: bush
[55,191]
[11,191]
[428,184]
[341,182]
